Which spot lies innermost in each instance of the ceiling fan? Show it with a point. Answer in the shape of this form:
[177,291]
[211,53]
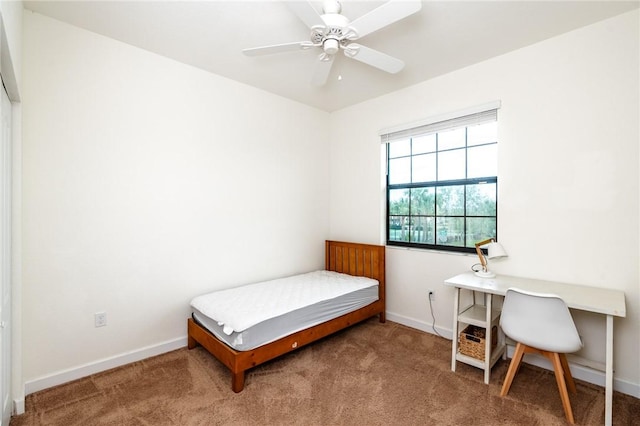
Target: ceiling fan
[333,32]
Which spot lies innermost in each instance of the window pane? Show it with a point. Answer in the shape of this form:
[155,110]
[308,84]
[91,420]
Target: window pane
[423,201]
[450,200]
[408,230]
[395,228]
[451,231]
[400,170]
[400,148]
[483,133]
[482,161]
[399,202]
[479,229]
[424,143]
[441,232]
[451,139]
[451,165]
[425,230]
[424,168]
[481,199]
[421,230]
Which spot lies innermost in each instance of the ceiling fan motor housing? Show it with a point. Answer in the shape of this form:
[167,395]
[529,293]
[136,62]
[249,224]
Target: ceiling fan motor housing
[332,34]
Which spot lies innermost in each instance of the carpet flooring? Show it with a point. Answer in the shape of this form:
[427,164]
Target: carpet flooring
[369,374]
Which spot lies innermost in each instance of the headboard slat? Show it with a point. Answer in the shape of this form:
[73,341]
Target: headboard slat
[357,259]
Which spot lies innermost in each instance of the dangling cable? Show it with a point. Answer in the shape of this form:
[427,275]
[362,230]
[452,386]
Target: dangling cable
[433,324]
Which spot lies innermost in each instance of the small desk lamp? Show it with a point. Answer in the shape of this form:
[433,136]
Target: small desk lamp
[494,251]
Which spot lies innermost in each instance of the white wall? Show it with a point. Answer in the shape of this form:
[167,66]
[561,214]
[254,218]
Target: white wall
[568,176]
[147,182]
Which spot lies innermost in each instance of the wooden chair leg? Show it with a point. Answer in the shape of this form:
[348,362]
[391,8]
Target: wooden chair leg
[513,368]
[567,374]
[562,385]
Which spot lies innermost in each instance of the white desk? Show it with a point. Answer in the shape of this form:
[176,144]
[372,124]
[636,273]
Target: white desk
[592,299]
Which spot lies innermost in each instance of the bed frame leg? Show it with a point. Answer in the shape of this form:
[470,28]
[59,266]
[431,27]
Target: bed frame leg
[237,381]
[191,342]
[383,317]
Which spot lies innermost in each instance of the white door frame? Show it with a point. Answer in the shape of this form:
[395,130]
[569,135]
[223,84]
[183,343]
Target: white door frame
[12,13]
[5,256]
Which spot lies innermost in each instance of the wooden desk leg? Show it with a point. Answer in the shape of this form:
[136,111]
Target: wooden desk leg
[608,389]
[487,348]
[454,328]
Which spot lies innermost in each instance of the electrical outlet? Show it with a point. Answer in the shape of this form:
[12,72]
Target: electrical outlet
[100,319]
[432,295]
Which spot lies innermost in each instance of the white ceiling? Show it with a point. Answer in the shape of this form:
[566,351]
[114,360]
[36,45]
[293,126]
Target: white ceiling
[442,37]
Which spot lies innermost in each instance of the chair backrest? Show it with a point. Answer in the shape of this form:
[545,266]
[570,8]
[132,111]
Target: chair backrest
[542,321]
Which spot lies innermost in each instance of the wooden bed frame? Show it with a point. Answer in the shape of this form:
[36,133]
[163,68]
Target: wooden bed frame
[349,258]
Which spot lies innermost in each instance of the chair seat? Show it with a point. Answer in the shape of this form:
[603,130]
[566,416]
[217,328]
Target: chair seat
[558,343]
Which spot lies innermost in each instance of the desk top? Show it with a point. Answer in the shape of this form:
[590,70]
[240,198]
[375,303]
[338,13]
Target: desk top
[592,299]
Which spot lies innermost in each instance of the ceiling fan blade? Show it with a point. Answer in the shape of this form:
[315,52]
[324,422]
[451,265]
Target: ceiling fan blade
[306,13]
[374,58]
[388,13]
[322,69]
[277,48]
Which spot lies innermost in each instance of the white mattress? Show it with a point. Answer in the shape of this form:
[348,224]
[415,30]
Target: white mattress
[249,316]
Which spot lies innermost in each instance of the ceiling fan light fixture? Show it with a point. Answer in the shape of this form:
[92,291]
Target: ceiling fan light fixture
[331,46]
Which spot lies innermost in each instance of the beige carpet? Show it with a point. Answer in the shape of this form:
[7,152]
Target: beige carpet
[370,374]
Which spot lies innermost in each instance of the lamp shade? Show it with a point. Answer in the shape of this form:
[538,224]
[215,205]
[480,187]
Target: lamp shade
[495,251]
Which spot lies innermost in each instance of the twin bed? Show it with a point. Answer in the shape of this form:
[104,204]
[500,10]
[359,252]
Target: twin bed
[246,326]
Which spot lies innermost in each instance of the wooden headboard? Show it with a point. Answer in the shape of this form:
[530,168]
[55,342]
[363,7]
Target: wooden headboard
[362,260]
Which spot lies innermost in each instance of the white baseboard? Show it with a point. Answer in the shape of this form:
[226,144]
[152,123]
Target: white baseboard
[18,406]
[98,366]
[419,325]
[581,372]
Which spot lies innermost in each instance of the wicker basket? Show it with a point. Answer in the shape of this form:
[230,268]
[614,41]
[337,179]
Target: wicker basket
[472,341]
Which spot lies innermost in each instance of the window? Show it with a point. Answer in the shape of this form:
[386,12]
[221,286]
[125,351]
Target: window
[442,183]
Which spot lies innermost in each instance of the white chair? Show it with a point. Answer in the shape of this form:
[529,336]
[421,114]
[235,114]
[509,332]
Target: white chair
[542,324]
